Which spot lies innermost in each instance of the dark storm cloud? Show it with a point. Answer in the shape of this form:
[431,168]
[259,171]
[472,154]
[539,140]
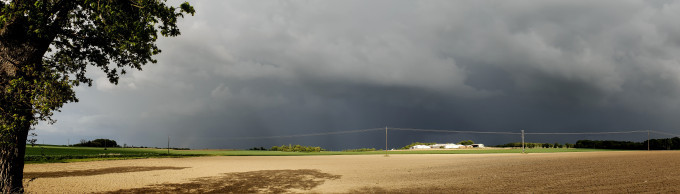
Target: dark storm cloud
[250,68]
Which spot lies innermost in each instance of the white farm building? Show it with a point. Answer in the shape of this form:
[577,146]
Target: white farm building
[420,147]
[452,146]
[447,146]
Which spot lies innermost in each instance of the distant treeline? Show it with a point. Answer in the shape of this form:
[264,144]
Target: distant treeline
[258,148]
[297,148]
[537,145]
[360,150]
[97,143]
[654,144]
[176,148]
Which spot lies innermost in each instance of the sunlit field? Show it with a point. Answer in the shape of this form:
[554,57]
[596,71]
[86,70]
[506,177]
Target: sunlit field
[579,172]
[51,153]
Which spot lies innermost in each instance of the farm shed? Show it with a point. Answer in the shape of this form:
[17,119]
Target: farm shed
[452,146]
[437,146]
[446,146]
[420,147]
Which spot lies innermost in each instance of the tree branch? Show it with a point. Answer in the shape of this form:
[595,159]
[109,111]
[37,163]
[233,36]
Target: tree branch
[61,9]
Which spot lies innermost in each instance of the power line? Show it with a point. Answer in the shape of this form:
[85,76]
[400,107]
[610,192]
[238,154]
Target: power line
[664,133]
[454,131]
[310,134]
[586,133]
[444,131]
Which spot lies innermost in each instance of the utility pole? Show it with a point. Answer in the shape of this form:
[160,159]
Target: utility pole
[523,142]
[386,155]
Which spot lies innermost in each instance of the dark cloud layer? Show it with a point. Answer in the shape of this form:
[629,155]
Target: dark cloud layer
[251,68]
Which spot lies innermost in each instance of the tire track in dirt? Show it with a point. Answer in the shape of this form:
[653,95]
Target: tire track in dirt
[92,172]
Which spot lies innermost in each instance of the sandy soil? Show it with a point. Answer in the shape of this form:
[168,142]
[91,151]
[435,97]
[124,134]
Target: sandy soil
[602,172]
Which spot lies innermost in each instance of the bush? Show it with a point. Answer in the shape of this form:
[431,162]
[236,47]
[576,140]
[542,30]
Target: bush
[97,143]
[257,148]
[466,142]
[519,145]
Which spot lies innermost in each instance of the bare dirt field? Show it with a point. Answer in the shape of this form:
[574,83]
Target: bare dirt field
[601,172]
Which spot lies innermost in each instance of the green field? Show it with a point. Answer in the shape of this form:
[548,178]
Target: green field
[51,153]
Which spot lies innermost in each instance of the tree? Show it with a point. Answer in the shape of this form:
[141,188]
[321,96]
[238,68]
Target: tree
[45,49]
[98,143]
[257,148]
[557,145]
[32,140]
[466,142]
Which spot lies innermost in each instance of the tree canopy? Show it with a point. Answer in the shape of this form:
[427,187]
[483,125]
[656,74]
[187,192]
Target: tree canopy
[466,142]
[58,40]
[97,143]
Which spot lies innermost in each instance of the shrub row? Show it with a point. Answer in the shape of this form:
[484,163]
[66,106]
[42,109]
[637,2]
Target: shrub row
[297,148]
[360,150]
[537,145]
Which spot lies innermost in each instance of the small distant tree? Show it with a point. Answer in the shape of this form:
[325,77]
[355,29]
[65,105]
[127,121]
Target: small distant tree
[466,142]
[557,145]
[546,145]
[32,140]
[534,145]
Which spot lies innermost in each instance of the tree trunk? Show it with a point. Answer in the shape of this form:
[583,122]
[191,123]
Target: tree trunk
[12,161]
[15,124]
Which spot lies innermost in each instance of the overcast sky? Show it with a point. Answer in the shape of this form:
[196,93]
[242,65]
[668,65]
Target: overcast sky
[269,68]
